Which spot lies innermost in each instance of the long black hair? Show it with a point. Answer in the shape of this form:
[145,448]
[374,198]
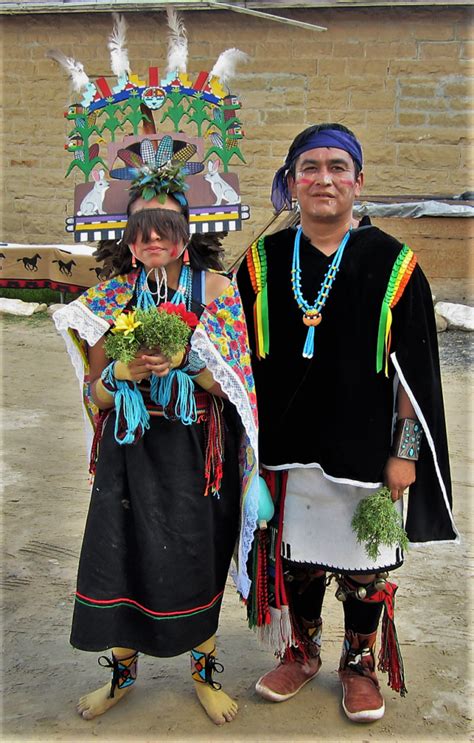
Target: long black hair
[205,250]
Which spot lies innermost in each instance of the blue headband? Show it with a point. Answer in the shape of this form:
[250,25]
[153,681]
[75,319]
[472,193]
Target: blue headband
[281,195]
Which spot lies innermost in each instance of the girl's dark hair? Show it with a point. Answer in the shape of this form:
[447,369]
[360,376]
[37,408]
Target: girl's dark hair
[167,223]
[306,133]
[205,250]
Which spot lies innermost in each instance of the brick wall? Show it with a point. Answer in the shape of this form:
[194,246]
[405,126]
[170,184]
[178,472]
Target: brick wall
[398,77]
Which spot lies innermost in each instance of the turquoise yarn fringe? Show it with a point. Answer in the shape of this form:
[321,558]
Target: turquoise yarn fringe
[128,403]
[308,349]
[161,389]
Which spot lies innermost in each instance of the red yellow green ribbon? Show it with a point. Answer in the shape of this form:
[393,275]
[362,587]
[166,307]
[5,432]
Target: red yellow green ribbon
[399,277]
[257,268]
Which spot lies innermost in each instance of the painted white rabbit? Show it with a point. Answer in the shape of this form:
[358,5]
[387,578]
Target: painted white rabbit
[222,190]
[92,201]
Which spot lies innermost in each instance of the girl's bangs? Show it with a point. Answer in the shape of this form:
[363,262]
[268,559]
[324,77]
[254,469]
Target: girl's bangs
[167,223]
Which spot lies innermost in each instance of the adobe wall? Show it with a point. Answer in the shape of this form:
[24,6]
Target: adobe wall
[398,77]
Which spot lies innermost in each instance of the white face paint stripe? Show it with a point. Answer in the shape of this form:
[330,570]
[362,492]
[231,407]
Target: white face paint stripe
[429,438]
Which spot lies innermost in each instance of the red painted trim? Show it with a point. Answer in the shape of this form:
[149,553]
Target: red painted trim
[103,86]
[153,77]
[201,81]
[149,611]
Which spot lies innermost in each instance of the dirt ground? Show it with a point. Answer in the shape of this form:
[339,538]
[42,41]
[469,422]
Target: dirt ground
[45,504]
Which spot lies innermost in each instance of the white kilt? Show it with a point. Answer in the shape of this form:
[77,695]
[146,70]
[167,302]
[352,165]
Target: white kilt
[317,524]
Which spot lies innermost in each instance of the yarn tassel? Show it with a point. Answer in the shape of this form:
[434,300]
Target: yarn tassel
[387,339]
[277,631]
[271,634]
[381,336]
[284,630]
[390,657]
[265,321]
[252,612]
[273,623]
[132,418]
[286,624]
[308,349]
[259,609]
[185,407]
[257,268]
[259,327]
[175,393]
[99,428]
[154,388]
[286,627]
[213,467]
[263,608]
[256,329]
[399,277]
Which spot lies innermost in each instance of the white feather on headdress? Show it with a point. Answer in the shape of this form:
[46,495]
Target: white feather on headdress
[75,69]
[226,63]
[177,43]
[118,53]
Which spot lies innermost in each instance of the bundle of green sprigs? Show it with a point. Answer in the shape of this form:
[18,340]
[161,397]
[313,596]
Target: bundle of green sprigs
[166,328]
[376,522]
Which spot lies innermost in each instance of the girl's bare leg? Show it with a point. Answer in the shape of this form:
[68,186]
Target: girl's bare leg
[217,704]
[124,664]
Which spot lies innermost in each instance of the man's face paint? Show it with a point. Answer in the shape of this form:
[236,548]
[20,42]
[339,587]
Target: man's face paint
[327,138]
[303,181]
[347,182]
[325,184]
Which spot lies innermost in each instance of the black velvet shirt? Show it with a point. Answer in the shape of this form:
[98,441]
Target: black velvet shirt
[335,410]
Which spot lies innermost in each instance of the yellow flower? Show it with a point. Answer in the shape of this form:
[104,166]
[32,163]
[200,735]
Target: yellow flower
[126,323]
[223,314]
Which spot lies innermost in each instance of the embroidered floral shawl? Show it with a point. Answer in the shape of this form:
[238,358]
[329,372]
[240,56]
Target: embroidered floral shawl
[220,340]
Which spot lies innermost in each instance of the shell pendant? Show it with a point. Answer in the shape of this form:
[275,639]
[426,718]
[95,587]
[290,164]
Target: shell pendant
[312,319]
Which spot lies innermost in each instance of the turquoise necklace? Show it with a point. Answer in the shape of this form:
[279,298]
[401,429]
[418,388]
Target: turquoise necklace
[184,291]
[182,295]
[312,312]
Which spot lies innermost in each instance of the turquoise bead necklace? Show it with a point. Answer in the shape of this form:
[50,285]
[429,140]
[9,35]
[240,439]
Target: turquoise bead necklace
[312,313]
[184,291]
[182,295]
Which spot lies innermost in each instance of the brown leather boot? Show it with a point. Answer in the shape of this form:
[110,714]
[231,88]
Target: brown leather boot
[361,697]
[293,672]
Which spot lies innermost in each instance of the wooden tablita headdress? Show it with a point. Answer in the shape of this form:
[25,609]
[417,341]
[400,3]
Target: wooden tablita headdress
[117,143]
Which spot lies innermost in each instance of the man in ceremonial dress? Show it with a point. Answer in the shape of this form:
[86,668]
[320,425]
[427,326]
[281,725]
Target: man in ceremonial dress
[346,366]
